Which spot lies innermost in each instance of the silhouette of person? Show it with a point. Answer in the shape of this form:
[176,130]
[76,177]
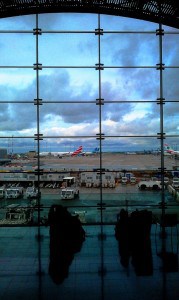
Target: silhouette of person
[66,238]
[133,235]
[122,235]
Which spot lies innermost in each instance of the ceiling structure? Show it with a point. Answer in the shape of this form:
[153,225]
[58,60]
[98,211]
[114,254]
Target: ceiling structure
[159,11]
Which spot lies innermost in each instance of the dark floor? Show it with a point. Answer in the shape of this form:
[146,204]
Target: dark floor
[95,272]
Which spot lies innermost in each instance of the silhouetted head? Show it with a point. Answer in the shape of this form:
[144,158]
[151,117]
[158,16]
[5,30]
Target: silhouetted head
[58,214]
[123,214]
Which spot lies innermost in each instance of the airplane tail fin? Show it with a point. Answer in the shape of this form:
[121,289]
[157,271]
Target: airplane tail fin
[96,150]
[77,151]
[168,148]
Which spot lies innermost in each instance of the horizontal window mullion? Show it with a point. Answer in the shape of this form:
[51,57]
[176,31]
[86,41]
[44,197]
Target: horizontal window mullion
[86,32]
[86,67]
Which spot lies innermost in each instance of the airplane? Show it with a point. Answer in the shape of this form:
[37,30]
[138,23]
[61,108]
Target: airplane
[169,151]
[77,151]
[94,151]
[62,154]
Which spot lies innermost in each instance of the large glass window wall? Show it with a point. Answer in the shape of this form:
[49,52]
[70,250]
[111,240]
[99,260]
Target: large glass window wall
[106,87]
[88,121]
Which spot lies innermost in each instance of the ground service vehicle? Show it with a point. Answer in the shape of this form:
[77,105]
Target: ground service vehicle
[133,180]
[14,192]
[69,193]
[2,192]
[124,180]
[175,182]
[150,185]
[31,192]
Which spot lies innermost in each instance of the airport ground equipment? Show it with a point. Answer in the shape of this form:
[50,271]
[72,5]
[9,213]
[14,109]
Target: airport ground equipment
[69,193]
[14,192]
[17,215]
[175,182]
[124,180]
[133,180]
[2,192]
[31,192]
[150,185]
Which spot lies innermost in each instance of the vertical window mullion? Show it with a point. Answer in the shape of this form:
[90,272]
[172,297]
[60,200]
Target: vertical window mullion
[161,134]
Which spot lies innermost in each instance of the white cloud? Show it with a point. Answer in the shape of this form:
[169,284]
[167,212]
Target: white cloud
[134,116]
[11,80]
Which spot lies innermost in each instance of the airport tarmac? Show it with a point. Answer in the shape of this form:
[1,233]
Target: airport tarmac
[114,198]
[111,161]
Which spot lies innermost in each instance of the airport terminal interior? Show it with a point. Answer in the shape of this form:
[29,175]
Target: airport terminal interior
[89,160]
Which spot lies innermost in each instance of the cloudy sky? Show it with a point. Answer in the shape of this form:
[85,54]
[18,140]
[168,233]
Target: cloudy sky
[69,75]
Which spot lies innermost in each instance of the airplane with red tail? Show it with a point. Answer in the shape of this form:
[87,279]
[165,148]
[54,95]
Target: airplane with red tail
[77,151]
[168,150]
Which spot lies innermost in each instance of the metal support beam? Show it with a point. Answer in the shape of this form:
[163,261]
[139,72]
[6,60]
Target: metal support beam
[158,11]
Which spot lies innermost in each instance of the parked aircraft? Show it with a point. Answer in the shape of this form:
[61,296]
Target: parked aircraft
[168,150]
[62,154]
[94,151]
[77,151]
[80,152]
